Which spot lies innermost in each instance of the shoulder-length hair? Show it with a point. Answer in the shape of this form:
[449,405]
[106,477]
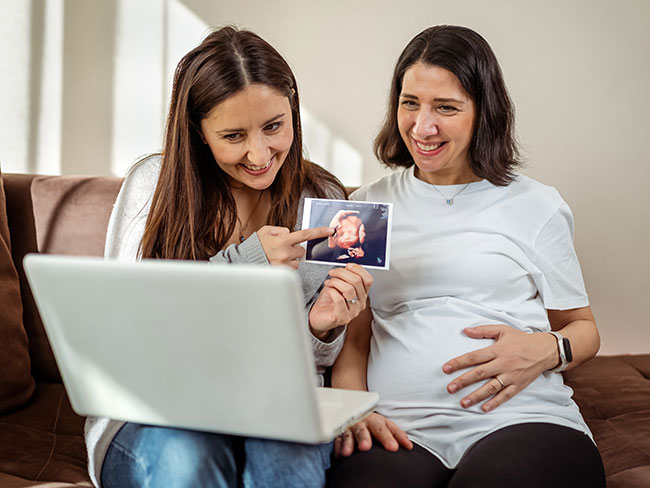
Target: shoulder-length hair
[193,213]
[493,151]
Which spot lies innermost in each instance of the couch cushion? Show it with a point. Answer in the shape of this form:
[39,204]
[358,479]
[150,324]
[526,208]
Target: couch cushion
[55,214]
[23,239]
[71,213]
[16,382]
[8,481]
[44,440]
[613,393]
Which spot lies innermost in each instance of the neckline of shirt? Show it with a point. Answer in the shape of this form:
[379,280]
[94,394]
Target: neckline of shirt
[449,190]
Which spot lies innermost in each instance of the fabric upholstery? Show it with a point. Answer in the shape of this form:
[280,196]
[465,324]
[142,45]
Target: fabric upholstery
[43,441]
[23,238]
[8,481]
[71,213]
[57,215]
[16,382]
[614,396]
[42,444]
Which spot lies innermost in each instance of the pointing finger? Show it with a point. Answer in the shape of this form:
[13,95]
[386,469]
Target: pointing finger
[273,230]
[308,234]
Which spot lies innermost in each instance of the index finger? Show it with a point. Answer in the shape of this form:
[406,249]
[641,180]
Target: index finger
[492,331]
[308,234]
[401,437]
[363,438]
[384,435]
[472,358]
[366,278]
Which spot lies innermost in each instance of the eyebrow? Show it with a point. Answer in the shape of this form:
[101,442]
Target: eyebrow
[271,120]
[441,99]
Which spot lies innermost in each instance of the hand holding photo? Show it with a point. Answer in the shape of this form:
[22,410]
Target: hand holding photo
[362,232]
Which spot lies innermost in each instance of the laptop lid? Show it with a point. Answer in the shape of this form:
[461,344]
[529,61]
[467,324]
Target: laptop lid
[185,344]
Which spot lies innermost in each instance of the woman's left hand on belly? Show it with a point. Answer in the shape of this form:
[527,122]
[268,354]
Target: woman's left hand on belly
[509,365]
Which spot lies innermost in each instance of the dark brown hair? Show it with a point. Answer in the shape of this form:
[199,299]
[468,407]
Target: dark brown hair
[193,213]
[493,152]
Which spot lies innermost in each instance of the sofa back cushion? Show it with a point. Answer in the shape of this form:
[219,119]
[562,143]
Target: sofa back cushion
[16,381]
[56,215]
[71,213]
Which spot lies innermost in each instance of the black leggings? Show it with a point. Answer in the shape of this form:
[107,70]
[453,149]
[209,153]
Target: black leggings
[525,455]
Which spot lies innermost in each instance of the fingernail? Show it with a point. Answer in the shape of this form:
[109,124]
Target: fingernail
[487,408]
[446,368]
[465,403]
[453,388]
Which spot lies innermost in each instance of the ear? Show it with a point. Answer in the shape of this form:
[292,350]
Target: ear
[198,127]
[362,233]
[202,136]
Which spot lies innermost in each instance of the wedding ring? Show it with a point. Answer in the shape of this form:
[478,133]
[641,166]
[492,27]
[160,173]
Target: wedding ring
[502,385]
[353,301]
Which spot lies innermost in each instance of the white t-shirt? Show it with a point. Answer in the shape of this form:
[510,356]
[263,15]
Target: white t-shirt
[498,255]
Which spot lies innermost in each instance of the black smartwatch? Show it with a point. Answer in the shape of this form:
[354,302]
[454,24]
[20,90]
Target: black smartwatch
[564,350]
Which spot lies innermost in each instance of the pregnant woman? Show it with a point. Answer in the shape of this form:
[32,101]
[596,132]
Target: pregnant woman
[484,303]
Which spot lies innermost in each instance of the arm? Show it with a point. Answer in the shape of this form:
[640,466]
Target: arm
[579,326]
[517,358]
[327,347]
[350,372]
[250,251]
[131,209]
[342,298]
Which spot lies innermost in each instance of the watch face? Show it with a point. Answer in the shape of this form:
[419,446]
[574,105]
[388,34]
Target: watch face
[566,345]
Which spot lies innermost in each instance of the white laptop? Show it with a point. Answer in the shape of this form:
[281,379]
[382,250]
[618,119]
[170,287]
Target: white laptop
[221,348]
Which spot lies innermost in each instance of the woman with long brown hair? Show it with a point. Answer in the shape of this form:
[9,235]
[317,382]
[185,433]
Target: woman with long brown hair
[227,188]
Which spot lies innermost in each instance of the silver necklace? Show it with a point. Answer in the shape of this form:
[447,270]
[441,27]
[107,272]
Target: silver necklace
[243,227]
[450,201]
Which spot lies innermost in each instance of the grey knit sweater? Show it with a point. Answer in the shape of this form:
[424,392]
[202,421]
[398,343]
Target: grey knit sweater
[125,230]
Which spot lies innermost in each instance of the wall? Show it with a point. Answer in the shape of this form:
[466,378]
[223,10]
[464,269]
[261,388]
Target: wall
[577,71]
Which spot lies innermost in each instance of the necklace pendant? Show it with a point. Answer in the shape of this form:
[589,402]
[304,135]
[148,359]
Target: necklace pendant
[449,201]
[242,238]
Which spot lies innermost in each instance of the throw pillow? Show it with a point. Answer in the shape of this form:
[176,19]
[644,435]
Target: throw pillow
[16,382]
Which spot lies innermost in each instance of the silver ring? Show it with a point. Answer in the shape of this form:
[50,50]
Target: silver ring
[352,301]
[502,385]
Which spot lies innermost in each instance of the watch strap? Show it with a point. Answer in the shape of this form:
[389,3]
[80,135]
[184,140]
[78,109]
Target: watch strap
[564,350]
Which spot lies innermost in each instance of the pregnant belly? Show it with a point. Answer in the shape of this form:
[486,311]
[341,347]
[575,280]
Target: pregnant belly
[407,354]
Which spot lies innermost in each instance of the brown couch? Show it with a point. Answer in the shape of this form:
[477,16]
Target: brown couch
[41,438]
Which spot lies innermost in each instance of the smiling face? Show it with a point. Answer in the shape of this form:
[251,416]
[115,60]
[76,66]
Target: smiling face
[250,134]
[436,117]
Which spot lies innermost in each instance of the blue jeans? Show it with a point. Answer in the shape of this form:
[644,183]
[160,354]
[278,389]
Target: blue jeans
[150,456]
